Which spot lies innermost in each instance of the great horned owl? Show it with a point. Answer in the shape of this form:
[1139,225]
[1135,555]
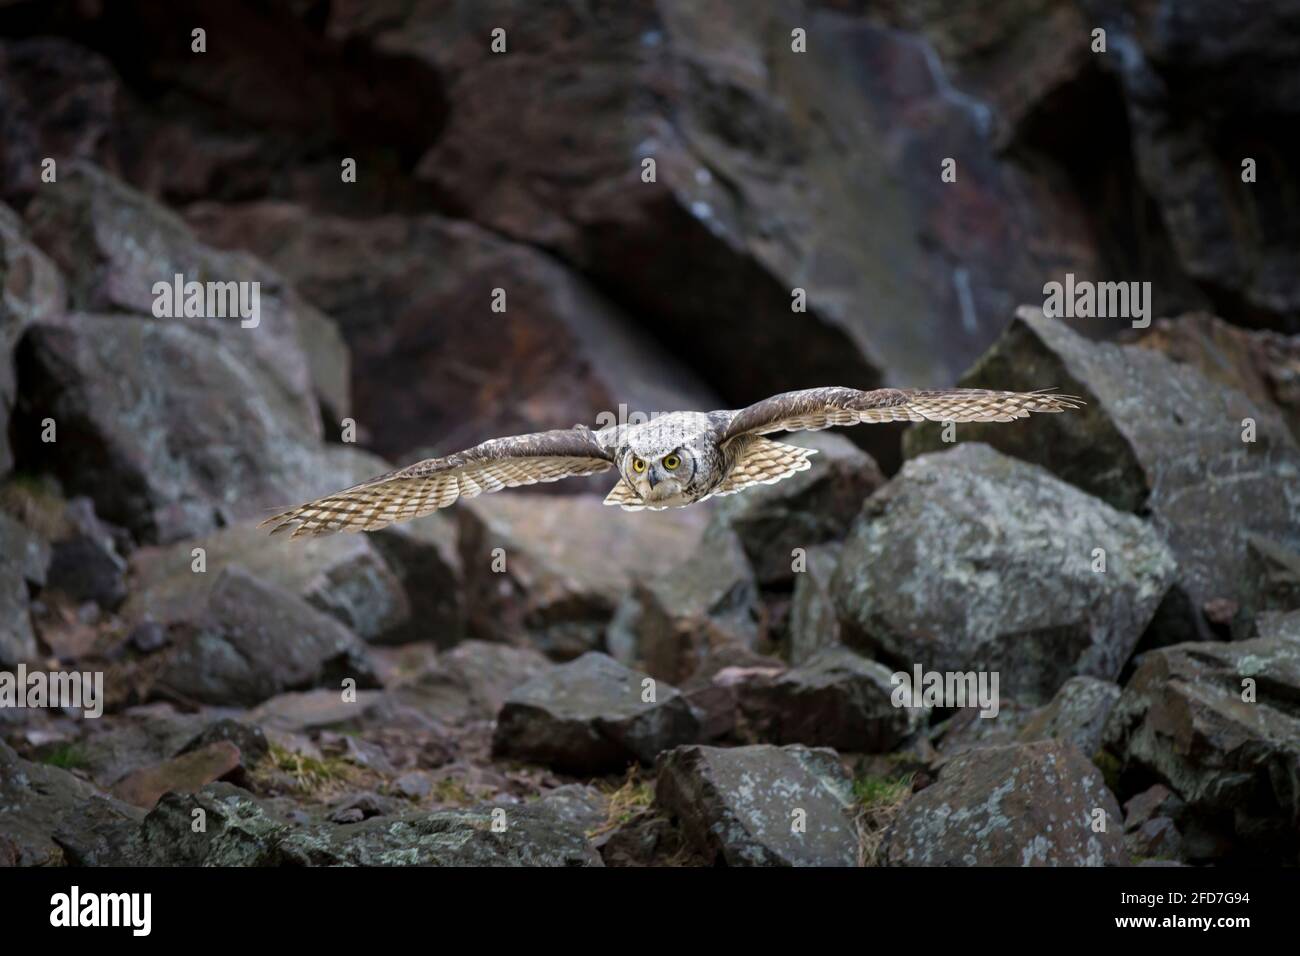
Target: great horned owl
[670,461]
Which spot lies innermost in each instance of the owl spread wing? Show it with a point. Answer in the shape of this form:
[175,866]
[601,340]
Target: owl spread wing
[817,408]
[435,483]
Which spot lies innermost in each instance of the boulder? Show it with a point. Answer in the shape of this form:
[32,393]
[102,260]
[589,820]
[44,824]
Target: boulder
[343,575]
[592,716]
[760,805]
[1077,713]
[808,509]
[165,429]
[115,244]
[1033,804]
[550,571]
[1216,723]
[836,699]
[251,640]
[1170,443]
[706,604]
[970,560]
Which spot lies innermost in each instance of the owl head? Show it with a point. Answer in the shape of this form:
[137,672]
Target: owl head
[661,459]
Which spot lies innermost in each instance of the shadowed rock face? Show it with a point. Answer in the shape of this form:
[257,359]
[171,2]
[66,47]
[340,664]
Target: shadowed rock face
[414,298]
[1161,439]
[1217,724]
[969,560]
[1015,805]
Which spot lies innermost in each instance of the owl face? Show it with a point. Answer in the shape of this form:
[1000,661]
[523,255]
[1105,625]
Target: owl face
[659,476]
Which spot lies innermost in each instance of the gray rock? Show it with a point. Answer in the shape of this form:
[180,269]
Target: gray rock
[808,509]
[969,560]
[343,575]
[166,429]
[1077,713]
[114,244]
[23,559]
[836,699]
[589,717]
[38,801]
[707,603]
[1217,724]
[242,832]
[568,561]
[760,805]
[1015,805]
[1171,443]
[253,641]
[814,623]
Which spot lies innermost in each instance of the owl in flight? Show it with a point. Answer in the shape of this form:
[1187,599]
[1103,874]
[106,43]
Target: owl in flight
[670,461]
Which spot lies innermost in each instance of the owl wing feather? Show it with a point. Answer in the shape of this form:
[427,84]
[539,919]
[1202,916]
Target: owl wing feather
[435,483]
[761,461]
[817,408]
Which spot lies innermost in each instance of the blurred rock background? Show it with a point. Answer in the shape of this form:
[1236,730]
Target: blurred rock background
[775,171]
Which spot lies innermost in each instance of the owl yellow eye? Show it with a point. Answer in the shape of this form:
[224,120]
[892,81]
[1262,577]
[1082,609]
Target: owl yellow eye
[638,465]
[671,462]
